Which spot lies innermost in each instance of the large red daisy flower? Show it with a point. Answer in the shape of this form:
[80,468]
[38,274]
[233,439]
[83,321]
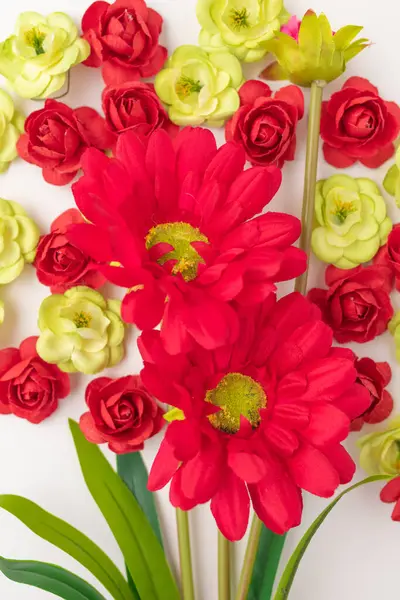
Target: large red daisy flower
[263,418]
[179,221]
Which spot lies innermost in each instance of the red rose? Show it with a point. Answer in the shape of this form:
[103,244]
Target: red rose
[357,124]
[122,413]
[61,265]
[265,124]
[57,136]
[357,304]
[124,39]
[374,376]
[389,254]
[135,105]
[29,387]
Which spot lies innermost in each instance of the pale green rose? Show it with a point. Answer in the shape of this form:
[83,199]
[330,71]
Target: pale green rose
[380,451]
[11,127]
[351,221]
[37,58]
[199,87]
[392,180]
[19,237]
[317,55]
[394,328]
[242,26]
[80,331]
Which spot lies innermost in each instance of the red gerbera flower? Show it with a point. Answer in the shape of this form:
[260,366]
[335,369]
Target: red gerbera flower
[263,418]
[391,494]
[179,220]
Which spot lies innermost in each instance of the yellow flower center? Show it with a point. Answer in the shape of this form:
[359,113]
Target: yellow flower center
[343,209]
[35,38]
[180,236]
[237,395]
[186,86]
[82,319]
[239,18]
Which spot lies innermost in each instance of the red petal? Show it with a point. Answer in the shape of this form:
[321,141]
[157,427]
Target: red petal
[164,467]
[361,84]
[176,496]
[144,307]
[27,348]
[336,157]
[94,128]
[313,472]
[54,177]
[91,240]
[391,492]
[328,425]
[355,401]
[377,160]
[91,18]
[294,96]
[252,90]
[89,430]
[341,461]
[116,74]
[231,507]
[246,465]
[201,475]
[184,437]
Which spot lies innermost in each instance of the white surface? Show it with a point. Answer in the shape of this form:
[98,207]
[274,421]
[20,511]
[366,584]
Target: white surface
[355,554]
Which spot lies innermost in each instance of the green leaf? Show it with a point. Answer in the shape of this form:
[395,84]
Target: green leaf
[70,540]
[345,35]
[132,470]
[142,551]
[290,571]
[266,565]
[49,578]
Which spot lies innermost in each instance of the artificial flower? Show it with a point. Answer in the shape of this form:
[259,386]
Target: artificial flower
[265,124]
[374,376]
[135,106]
[263,417]
[389,254]
[317,54]
[242,27]
[61,265]
[292,27]
[121,413]
[357,124]
[391,182]
[391,494]
[352,222]
[123,38]
[180,221]
[57,136]
[37,58]
[380,450]
[19,236]
[11,127]
[356,304]
[80,331]
[199,87]
[29,387]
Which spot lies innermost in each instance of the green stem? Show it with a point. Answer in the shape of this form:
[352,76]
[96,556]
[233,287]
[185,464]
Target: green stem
[224,575]
[310,176]
[249,559]
[185,554]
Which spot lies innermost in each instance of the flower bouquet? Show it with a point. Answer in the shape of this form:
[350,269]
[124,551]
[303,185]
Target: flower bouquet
[250,392]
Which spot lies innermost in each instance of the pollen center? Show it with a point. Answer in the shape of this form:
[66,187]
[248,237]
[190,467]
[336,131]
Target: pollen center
[180,237]
[186,86]
[35,38]
[237,395]
[239,18]
[82,319]
[343,209]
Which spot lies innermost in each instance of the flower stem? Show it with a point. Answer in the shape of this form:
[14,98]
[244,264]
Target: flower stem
[185,555]
[310,177]
[224,574]
[249,559]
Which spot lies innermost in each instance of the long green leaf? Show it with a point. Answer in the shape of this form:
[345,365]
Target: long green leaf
[266,565]
[132,470]
[142,551]
[290,571]
[70,540]
[49,578]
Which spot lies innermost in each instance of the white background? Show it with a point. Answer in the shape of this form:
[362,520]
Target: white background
[355,555]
